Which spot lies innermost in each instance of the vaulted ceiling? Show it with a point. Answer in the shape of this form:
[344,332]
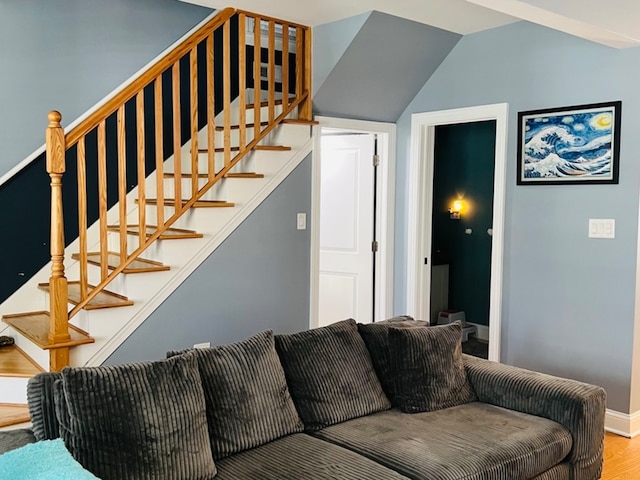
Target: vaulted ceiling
[615,23]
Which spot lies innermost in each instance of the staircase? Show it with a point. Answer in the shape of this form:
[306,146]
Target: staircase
[158,177]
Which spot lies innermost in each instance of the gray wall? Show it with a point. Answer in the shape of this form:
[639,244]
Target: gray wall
[69,54]
[258,279]
[568,301]
[330,41]
[382,69]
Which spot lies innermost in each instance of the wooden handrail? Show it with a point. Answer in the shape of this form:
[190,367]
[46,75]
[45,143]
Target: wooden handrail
[189,121]
[129,91]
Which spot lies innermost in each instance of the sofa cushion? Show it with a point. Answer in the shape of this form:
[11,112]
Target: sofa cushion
[12,439]
[41,405]
[376,337]
[330,374]
[428,368]
[562,471]
[475,441]
[248,402]
[138,421]
[301,457]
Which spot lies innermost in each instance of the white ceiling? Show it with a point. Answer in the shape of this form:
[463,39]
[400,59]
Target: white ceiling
[615,23]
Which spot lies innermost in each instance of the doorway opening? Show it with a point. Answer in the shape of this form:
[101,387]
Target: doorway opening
[420,260]
[352,221]
[461,230]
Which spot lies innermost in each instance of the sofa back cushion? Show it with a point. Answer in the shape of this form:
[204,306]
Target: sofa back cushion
[427,364]
[40,399]
[248,402]
[137,421]
[330,375]
[376,337]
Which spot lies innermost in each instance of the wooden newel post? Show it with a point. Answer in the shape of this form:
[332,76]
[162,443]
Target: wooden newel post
[58,289]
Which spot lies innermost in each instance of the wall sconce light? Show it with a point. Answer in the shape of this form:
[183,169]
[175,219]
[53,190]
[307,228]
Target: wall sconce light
[456,209]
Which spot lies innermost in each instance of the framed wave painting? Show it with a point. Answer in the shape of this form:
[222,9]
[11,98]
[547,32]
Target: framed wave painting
[562,146]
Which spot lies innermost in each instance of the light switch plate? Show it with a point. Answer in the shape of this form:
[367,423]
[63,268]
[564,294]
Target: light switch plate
[302,221]
[602,228]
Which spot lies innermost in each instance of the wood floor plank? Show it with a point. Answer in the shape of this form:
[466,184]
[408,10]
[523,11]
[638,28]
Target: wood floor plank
[621,458]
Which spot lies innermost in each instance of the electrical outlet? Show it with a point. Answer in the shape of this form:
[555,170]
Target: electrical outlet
[202,345]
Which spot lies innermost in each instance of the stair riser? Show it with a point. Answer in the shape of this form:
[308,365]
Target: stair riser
[14,390]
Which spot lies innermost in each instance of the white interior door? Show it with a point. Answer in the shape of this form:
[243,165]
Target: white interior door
[346,228]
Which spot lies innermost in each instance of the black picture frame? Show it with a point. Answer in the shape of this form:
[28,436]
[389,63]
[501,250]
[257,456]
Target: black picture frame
[578,144]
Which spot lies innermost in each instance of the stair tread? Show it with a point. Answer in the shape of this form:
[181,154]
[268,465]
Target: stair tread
[228,175]
[14,362]
[220,128]
[12,414]
[139,265]
[169,234]
[36,326]
[104,299]
[274,148]
[281,148]
[265,103]
[299,121]
[244,175]
[169,202]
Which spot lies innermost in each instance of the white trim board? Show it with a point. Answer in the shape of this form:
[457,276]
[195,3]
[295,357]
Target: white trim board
[421,201]
[625,424]
[5,178]
[386,213]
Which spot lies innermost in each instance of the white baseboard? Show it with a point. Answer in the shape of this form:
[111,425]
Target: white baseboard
[624,424]
[483,331]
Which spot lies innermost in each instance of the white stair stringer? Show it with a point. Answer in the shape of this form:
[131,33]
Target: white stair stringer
[110,327]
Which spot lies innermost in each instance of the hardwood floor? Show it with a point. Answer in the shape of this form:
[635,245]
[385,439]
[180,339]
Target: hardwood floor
[621,458]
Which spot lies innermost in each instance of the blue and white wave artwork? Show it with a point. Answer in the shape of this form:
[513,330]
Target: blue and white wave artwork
[568,145]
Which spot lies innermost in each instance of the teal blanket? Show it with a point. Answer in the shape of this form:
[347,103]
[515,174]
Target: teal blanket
[46,460]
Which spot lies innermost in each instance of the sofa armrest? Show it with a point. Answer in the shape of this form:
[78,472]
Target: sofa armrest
[12,439]
[578,406]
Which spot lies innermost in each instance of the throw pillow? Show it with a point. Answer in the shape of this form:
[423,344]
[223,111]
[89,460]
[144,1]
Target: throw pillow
[427,363]
[138,421]
[330,375]
[376,337]
[248,401]
[41,405]
[44,460]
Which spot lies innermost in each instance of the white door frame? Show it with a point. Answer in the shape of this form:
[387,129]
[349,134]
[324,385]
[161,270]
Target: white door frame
[421,208]
[384,216]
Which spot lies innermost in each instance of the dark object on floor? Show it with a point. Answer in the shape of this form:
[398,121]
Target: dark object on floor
[476,348]
[6,341]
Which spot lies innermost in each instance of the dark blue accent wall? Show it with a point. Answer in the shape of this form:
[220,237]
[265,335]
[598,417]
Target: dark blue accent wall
[464,170]
[68,55]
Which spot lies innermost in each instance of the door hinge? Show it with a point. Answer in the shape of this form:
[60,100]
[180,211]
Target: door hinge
[376,160]
[374,246]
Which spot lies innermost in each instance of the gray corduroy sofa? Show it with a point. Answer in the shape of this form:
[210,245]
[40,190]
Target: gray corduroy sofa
[329,403]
